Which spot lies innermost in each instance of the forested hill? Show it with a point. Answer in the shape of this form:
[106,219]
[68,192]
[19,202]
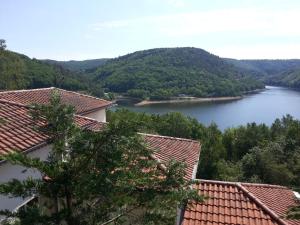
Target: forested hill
[276,72]
[20,72]
[78,66]
[168,72]
[288,78]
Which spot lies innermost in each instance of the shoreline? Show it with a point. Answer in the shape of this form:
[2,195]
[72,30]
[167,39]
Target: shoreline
[191,99]
[187,100]
[255,91]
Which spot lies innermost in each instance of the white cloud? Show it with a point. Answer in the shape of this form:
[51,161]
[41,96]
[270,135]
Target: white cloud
[260,22]
[270,51]
[236,33]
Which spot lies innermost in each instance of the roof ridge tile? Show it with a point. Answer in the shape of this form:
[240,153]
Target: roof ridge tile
[169,137]
[27,90]
[243,183]
[264,185]
[77,93]
[84,104]
[52,88]
[216,181]
[261,204]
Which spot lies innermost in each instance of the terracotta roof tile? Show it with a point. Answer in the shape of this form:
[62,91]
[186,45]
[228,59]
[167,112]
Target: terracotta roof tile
[82,103]
[17,128]
[275,197]
[179,149]
[240,203]
[17,133]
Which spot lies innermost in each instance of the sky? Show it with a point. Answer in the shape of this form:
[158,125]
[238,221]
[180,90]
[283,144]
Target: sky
[78,29]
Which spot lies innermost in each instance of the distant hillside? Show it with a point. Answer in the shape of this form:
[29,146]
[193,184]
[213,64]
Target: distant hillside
[78,66]
[155,74]
[19,71]
[289,78]
[167,72]
[279,72]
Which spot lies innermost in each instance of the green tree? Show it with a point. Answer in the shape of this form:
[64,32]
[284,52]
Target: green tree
[240,140]
[294,213]
[255,152]
[12,70]
[96,177]
[212,151]
[229,171]
[264,163]
[174,124]
[2,44]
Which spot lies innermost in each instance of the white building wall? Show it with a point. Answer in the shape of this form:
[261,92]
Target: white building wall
[9,171]
[99,115]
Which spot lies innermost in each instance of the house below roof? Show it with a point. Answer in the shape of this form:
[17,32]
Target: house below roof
[17,128]
[17,133]
[84,104]
[240,203]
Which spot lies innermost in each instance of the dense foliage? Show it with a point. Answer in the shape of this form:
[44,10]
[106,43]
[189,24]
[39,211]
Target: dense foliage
[20,72]
[289,78]
[78,66]
[169,72]
[2,44]
[253,153]
[294,213]
[105,177]
[155,74]
[273,72]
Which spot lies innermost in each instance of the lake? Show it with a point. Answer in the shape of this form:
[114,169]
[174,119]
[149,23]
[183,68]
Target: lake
[263,107]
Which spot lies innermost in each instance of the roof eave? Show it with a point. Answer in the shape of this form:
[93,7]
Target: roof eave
[95,109]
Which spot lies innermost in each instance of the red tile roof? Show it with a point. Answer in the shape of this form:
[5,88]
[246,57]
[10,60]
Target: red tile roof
[82,103]
[89,123]
[17,133]
[240,203]
[17,128]
[179,149]
[276,198]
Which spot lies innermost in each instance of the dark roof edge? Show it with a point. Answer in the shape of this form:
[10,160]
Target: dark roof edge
[2,100]
[169,137]
[243,183]
[95,109]
[84,95]
[26,90]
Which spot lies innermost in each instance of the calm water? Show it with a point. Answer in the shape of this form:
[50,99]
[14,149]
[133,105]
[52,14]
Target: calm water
[263,107]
